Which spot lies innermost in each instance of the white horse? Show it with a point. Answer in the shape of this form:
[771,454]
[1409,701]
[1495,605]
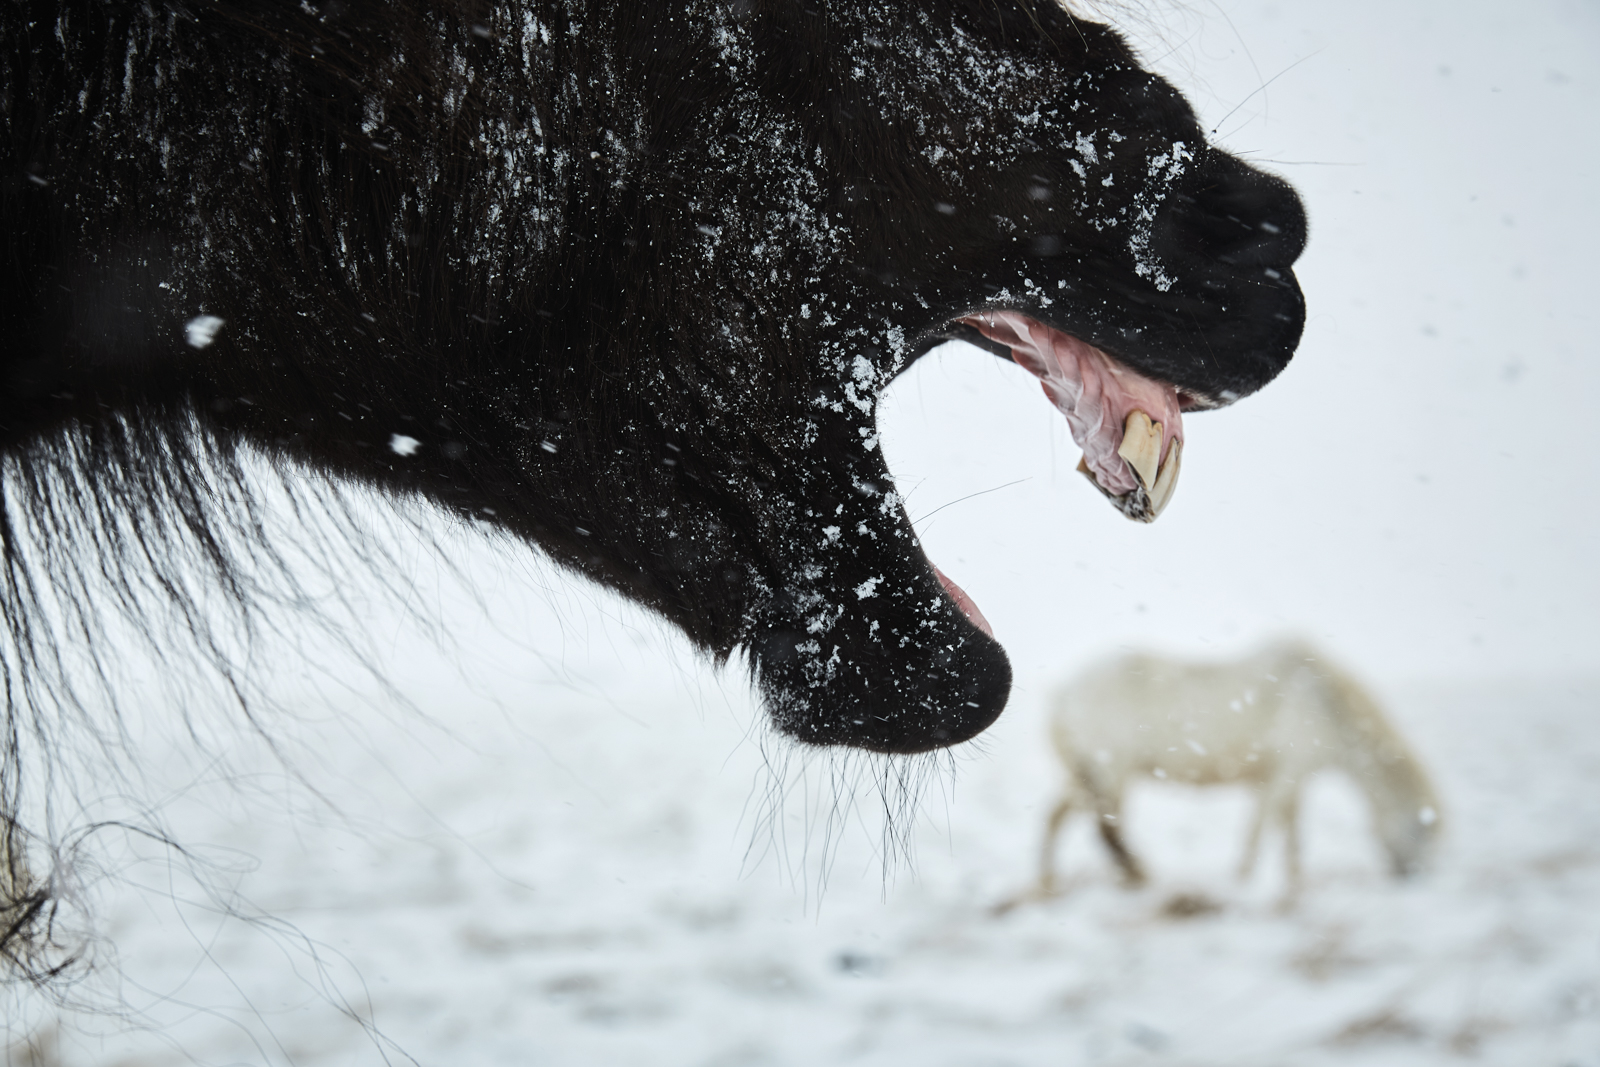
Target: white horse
[1271,720]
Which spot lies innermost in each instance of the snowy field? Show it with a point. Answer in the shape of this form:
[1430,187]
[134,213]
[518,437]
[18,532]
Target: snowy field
[568,890]
[577,846]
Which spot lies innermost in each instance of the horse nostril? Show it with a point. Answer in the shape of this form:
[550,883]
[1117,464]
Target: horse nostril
[1233,214]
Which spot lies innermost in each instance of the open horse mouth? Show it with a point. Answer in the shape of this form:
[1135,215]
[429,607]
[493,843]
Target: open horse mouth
[1129,426]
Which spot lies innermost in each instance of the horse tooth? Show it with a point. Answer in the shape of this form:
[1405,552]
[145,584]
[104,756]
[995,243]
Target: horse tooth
[1167,480]
[1141,447]
[1135,504]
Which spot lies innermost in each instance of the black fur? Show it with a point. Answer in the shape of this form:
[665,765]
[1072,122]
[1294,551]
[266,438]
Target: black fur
[631,274]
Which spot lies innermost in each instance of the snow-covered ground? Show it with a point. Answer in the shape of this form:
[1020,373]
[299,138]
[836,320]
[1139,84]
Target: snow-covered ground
[567,889]
[580,847]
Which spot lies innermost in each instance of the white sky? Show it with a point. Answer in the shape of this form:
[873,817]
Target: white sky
[1417,489]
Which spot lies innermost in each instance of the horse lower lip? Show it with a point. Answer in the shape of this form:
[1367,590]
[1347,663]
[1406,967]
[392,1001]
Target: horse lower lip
[964,602]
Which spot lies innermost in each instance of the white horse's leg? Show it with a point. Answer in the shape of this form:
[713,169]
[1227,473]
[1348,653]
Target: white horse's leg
[1047,849]
[1289,818]
[1109,809]
[1045,887]
[1252,844]
[1279,803]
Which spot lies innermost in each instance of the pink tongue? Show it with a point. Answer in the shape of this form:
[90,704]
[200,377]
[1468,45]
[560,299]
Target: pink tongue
[964,602]
[1094,391]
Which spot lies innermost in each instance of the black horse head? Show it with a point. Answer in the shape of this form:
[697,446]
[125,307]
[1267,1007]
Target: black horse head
[627,277]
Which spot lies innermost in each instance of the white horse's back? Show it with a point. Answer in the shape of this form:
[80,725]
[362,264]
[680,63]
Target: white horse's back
[1202,723]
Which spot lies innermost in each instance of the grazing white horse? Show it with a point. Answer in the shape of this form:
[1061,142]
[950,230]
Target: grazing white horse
[1271,720]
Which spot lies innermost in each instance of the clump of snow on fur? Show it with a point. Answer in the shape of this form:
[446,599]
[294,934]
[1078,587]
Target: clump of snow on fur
[201,330]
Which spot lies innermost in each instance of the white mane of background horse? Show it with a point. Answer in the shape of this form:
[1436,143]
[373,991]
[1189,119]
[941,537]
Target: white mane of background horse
[1272,720]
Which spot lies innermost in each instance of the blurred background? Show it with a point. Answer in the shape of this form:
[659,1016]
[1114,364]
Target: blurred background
[576,845]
